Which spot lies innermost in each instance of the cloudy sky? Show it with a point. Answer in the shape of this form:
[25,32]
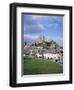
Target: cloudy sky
[39,25]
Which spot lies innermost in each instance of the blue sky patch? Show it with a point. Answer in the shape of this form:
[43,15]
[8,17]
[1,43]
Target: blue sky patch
[42,25]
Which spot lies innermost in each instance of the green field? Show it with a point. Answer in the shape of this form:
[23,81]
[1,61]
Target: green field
[38,66]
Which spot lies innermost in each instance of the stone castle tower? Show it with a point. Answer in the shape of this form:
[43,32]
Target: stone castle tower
[41,39]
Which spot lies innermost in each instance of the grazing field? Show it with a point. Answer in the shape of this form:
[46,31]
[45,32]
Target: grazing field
[33,66]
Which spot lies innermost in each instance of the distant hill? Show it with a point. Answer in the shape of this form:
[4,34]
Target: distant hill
[47,44]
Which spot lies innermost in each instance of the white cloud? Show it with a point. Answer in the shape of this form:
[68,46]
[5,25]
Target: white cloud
[33,26]
[41,26]
[36,17]
[50,18]
[33,37]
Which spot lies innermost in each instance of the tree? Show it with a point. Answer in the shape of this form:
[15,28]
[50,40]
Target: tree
[35,44]
[25,43]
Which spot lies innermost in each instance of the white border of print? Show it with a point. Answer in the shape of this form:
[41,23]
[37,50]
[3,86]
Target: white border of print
[44,77]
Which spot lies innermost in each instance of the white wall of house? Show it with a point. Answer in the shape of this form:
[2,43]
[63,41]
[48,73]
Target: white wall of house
[38,55]
[51,55]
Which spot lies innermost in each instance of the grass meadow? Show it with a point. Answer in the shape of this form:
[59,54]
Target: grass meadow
[33,66]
